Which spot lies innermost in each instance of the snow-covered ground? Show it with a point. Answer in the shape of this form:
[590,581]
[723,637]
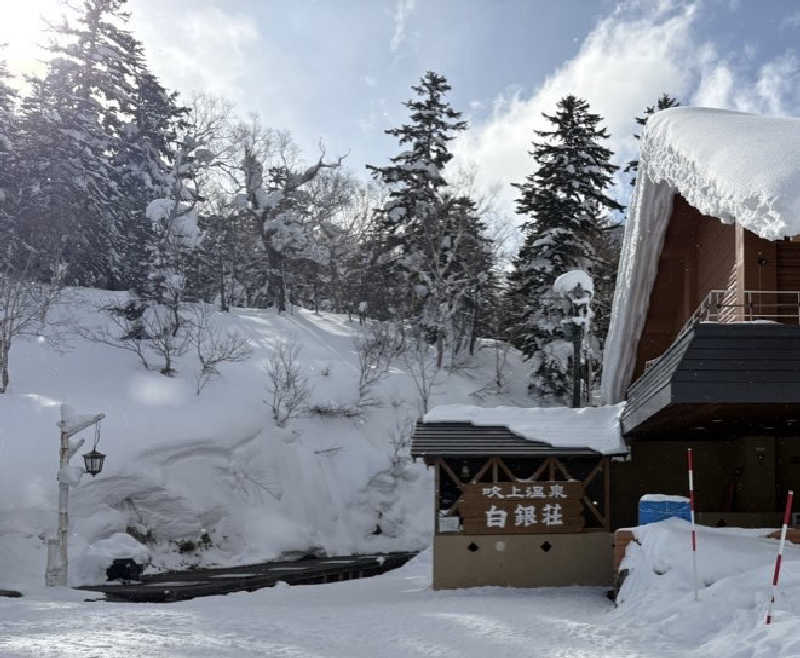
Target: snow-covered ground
[398,615]
[181,465]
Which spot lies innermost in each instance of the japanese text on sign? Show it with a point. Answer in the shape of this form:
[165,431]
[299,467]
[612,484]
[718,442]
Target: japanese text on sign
[523,507]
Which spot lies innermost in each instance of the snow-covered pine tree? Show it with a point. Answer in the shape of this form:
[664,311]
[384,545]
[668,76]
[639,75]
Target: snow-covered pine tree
[664,101]
[71,123]
[565,205]
[142,168]
[424,233]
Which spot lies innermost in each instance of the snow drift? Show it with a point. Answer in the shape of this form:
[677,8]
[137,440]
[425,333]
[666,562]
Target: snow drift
[734,568]
[211,478]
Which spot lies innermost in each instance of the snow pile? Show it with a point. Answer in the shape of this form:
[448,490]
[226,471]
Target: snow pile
[730,165]
[663,498]
[92,564]
[734,568]
[181,466]
[567,282]
[561,427]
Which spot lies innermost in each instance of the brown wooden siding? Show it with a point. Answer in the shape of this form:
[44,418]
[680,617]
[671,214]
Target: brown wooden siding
[787,265]
[698,256]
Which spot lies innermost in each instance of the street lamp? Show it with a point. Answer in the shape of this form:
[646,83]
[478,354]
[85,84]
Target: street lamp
[94,462]
[70,424]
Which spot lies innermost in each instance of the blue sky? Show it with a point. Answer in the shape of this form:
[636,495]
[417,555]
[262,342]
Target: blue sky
[338,70]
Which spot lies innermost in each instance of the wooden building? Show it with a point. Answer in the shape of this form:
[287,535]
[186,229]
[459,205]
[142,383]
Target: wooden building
[513,511]
[705,338]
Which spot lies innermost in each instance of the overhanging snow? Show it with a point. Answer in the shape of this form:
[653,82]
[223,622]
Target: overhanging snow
[730,165]
[562,427]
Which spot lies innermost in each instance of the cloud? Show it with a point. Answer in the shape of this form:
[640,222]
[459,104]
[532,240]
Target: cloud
[792,21]
[198,48]
[623,65]
[402,10]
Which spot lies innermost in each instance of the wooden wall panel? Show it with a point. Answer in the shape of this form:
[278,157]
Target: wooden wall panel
[698,256]
[787,265]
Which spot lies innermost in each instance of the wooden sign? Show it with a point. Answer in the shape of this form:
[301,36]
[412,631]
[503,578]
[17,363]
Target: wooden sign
[522,507]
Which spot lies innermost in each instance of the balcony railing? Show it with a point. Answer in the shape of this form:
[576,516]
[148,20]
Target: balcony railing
[758,305]
[782,306]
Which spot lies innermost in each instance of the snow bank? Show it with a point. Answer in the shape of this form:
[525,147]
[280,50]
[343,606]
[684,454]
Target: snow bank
[180,466]
[734,166]
[562,427]
[92,563]
[734,567]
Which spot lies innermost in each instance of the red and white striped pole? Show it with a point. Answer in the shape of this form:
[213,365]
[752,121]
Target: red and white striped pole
[786,517]
[691,512]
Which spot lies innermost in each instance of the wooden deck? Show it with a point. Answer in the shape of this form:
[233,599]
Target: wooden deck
[181,585]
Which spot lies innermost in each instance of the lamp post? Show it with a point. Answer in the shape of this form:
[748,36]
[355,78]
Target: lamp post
[70,424]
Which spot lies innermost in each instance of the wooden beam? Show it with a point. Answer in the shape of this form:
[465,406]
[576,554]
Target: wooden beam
[594,472]
[607,491]
[505,468]
[437,500]
[450,473]
[594,510]
[562,468]
[540,470]
[494,469]
[481,472]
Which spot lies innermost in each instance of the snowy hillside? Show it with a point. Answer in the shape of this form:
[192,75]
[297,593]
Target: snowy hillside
[181,466]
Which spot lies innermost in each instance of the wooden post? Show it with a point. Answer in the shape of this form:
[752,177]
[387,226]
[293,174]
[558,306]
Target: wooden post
[607,491]
[436,496]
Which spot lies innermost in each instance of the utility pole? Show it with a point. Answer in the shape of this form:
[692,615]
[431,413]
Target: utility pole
[57,561]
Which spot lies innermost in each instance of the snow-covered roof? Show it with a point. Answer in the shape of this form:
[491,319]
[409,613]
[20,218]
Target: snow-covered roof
[596,428]
[730,165]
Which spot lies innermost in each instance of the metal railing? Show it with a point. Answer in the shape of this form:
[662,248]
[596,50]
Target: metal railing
[757,305]
[780,306]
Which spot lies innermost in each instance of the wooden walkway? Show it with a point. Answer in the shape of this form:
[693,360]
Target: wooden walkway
[181,585]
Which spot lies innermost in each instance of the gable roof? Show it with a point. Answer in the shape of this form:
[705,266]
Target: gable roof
[730,165]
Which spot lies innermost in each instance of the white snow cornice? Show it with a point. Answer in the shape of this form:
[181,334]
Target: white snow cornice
[737,167]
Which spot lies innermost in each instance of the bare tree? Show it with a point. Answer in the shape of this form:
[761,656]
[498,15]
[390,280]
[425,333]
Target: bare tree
[24,305]
[286,383]
[377,346]
[124,329]
[421,362]
[162,336]
[214,345]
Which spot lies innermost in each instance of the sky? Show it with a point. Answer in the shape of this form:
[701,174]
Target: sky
[336,72]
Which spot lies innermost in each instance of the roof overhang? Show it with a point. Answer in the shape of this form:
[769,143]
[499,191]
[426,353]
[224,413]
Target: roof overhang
[737,167]
[733,378]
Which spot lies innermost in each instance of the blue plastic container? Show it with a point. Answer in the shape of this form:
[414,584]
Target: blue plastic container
[657,507]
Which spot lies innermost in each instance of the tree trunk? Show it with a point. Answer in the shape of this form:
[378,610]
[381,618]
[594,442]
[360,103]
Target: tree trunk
[473,334]
[4,378]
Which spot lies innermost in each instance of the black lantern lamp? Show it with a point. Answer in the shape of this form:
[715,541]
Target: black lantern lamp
[94,462]
[94,459]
